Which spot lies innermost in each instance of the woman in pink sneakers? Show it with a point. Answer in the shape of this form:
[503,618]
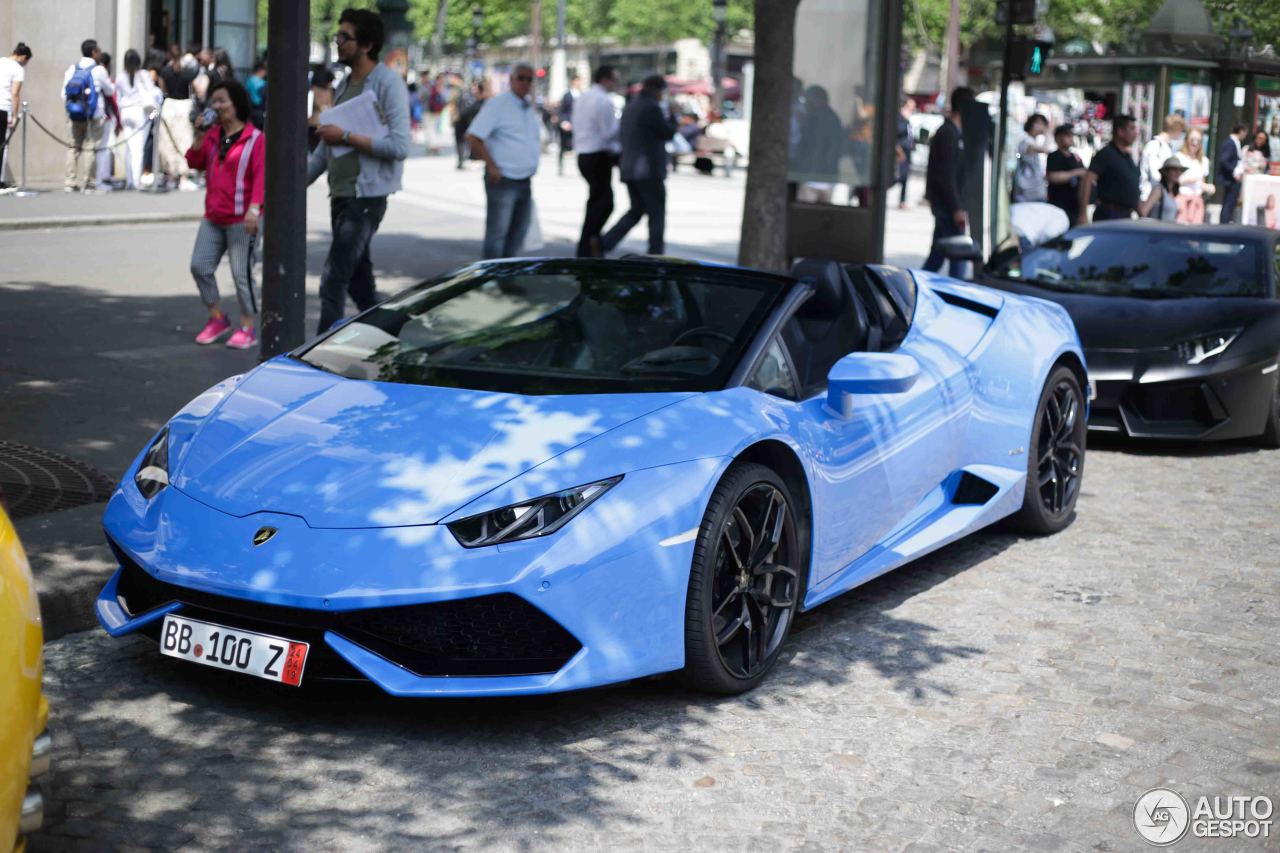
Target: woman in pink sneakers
[231,152]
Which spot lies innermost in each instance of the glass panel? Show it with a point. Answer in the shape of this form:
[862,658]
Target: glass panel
[237,39]
[832,138]
[773,376]
[1154,266]
[236,12]
[563,329]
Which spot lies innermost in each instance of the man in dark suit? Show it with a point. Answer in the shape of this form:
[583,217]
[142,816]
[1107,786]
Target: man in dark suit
[646,129]
[944,181]
[1229,171]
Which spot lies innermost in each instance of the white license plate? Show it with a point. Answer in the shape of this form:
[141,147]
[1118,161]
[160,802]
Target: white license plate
[272,658]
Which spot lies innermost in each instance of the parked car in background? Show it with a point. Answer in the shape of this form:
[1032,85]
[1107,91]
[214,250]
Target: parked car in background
[1180,324]
[24,712]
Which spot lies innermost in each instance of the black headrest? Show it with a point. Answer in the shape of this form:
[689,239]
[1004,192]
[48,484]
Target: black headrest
[830,283]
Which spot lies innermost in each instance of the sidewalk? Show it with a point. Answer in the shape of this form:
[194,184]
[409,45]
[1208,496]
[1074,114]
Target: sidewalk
[96,323]
[58,209]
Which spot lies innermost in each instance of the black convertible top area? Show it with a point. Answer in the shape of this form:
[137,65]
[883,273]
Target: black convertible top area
[1236,233]
[561,326]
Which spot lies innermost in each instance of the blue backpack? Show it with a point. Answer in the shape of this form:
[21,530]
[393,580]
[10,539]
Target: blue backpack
[82,95]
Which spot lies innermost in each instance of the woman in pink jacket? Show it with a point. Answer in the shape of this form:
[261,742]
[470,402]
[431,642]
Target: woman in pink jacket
[231,151]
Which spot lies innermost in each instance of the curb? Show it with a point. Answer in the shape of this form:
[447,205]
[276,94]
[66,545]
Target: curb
[105,219]
[70,561]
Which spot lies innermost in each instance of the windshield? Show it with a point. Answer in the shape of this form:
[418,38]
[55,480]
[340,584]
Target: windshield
[1132,263]
[559,327]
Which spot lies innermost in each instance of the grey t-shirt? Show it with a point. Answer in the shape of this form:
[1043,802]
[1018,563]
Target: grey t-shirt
[344,171]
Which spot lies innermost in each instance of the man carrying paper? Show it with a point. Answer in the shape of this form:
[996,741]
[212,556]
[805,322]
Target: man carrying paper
[364,138]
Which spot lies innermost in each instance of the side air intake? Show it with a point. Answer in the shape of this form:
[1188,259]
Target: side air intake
[973,490]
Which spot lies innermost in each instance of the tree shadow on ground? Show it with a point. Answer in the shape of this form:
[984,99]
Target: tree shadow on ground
[182,754]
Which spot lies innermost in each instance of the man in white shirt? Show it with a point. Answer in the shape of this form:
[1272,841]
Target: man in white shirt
[595,138]
[1156,152]
[12,71]
[86,134]
[505,136]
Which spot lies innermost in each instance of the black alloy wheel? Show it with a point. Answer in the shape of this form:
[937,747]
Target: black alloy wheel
[1060,457]
[1056,458]
[745,584]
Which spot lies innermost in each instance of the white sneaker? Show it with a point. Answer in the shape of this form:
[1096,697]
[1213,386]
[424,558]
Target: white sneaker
[186,185]
[147,180]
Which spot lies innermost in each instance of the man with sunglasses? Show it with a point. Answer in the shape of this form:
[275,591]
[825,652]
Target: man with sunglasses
[505,136]
[360,179]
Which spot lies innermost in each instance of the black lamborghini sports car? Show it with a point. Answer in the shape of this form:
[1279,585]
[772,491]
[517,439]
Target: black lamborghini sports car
[1180,324]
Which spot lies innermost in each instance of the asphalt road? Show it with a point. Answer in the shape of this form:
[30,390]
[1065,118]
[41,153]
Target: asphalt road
[1004,693]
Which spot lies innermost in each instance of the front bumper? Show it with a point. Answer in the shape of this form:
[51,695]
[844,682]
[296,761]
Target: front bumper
[599,602]
[1139,396]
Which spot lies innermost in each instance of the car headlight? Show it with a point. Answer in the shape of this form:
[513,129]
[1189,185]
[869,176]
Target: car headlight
[153,472]
[530,519]
[1206,347]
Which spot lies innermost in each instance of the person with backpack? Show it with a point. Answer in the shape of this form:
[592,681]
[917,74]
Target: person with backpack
[85,87]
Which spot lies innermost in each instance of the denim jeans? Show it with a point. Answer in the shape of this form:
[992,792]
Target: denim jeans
[507,217]
[348,267]
[944,226]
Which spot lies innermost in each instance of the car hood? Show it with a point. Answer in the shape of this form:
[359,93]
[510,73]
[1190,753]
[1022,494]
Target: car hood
[349,453]
[1127,323]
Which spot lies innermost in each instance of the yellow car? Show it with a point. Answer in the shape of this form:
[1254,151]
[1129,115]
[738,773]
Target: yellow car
[24,743]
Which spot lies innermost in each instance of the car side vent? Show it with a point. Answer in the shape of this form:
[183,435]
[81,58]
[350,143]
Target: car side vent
[967,304]
[973,490]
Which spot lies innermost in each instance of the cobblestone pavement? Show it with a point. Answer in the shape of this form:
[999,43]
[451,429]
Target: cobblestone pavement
[1003,694]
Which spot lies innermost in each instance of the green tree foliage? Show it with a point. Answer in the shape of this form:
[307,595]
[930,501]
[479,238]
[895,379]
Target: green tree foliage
[1108,22]
[593,21]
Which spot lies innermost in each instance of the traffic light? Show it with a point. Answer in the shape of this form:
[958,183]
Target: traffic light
[1022,11]
[1028,57]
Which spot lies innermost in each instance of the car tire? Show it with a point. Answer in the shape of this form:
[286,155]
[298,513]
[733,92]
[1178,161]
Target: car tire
[746,582]
[1271,433]
[1055,457]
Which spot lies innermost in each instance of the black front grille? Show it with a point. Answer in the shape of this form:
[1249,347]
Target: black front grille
[488,635]
[1182,402]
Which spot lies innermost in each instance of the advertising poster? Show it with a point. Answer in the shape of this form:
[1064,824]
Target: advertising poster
[1137,98]
[1260,197]
[1192,101]
[1269,120]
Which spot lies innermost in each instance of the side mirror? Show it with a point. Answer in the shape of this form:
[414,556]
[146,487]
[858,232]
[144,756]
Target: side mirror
[959,248]
[868,373]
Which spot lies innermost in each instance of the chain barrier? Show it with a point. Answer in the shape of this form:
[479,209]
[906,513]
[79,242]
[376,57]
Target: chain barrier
[72,146]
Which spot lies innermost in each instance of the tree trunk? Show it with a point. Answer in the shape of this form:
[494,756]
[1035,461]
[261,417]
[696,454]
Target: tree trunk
[437,37]
[763,241]
[535,35]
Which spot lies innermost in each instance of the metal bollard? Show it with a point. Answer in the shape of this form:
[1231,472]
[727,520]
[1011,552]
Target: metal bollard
[23,191]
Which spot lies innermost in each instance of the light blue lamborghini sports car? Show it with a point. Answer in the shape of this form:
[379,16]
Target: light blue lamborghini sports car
[541,475]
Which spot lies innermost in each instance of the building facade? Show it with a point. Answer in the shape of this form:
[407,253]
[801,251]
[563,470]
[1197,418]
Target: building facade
[54,33]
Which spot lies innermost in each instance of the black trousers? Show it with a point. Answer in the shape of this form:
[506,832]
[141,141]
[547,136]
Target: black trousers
[1230,195]
[648,199]
[348,268]
[597,168]
[4,141]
